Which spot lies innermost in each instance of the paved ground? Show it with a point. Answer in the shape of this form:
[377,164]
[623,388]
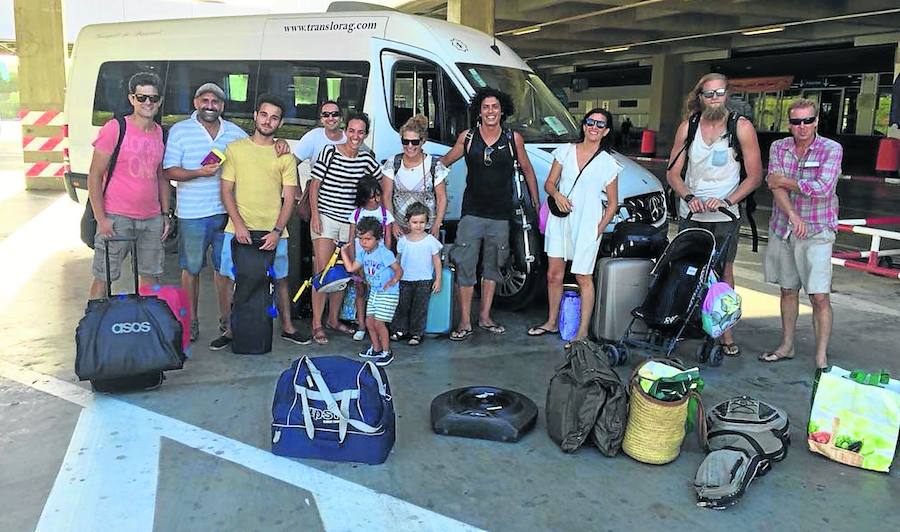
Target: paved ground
[194,454]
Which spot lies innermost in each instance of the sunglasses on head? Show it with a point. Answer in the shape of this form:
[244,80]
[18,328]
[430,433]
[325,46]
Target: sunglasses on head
[330,114]
[590,122]
[407,142]
[713,93]
[154,98]
[797,121]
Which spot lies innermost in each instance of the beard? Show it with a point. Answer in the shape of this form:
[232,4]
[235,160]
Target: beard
[265,133]
[714,114]
[208,115]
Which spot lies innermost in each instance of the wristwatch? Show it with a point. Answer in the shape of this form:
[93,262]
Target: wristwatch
[689,198]
[277,230]
[728,202]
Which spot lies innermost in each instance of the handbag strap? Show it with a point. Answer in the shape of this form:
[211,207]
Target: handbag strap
[583,168]
[114,158]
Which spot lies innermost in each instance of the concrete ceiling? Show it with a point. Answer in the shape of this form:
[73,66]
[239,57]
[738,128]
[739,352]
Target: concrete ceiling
[580,33]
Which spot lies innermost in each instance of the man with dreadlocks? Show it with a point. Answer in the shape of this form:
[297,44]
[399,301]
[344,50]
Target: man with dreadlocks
[490,151]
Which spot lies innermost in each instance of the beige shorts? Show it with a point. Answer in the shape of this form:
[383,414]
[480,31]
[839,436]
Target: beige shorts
[332,230]
[149,247]
[795,263]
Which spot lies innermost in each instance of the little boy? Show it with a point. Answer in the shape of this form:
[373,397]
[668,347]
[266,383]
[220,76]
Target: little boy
[382,274]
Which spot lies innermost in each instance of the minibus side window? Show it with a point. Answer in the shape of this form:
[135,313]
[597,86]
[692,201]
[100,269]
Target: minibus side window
[415,91]
[303,85]
[111,92]
[422,87]
[236,78]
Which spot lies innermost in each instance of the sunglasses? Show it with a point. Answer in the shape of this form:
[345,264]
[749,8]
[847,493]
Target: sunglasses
[590,122]
[488,151]
[407,142]
[797,121]
[141,98]
[712,94]
[330,114]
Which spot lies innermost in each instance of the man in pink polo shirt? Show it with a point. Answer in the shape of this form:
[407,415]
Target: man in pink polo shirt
[136,201]
[803,173]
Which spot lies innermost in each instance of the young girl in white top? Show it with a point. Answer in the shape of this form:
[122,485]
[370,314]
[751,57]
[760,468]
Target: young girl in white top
[420,258]
[368,204]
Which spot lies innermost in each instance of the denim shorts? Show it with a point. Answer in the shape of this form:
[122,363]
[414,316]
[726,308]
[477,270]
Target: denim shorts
[195,236]
[281,258]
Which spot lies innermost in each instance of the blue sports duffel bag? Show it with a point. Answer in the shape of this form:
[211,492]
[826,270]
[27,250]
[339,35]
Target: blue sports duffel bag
[333,408]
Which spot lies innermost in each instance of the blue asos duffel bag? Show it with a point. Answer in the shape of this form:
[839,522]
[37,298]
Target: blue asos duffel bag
[333,408]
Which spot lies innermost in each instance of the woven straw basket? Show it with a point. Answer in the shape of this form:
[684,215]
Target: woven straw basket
[655,428]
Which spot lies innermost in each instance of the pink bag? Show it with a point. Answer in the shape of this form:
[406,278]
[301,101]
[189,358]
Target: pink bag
[543,215]
[178,301]
[721,308]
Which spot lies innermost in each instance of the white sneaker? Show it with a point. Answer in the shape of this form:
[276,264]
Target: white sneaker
[359,335]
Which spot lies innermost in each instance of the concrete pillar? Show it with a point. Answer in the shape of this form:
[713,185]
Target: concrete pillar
[478,14]
[666,99]
[41,48]
[866,104]
[894,131]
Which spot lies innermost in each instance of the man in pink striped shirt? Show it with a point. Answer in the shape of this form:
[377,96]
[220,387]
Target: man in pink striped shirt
[803,173]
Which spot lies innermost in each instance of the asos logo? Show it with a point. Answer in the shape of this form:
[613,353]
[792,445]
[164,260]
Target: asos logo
[130,327]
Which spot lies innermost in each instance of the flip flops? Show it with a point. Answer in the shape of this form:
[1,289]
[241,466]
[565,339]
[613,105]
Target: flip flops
[731,350]
[773,356]
[341,328]
[494,328]
[461,334]
[539,330]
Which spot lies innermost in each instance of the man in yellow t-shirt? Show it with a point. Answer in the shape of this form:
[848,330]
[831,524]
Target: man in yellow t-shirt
[254,180]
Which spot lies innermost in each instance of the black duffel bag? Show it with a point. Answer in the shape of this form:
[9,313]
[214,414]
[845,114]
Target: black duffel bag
[127,335]
[638,240]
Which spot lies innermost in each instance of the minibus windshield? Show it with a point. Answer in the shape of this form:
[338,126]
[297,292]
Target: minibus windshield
[539,116]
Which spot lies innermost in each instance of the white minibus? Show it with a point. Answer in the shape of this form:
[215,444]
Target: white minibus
[389,64]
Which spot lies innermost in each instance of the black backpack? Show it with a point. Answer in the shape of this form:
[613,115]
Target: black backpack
[735,144]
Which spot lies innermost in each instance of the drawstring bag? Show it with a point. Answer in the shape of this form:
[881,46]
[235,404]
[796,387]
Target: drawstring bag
[721,308]
[569,315]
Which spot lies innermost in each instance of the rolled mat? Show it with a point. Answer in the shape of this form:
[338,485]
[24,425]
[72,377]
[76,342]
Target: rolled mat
[655,428]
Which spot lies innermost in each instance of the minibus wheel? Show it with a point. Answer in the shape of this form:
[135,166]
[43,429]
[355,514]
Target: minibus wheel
[518,289]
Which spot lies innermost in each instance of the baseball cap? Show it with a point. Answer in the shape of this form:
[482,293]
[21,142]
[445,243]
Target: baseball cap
[210,87]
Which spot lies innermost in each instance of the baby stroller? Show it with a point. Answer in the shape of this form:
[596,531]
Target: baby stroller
[678,286]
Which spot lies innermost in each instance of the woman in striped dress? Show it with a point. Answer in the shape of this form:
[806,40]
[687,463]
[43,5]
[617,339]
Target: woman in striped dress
[332,198]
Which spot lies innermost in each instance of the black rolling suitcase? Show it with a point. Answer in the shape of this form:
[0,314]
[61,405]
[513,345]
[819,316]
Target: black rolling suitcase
[253,304]
[125,342]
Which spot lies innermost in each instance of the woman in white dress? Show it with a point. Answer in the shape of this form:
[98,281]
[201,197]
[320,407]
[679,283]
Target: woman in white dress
[582,182]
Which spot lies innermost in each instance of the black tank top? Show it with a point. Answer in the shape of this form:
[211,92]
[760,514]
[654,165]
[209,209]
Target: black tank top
[489,188]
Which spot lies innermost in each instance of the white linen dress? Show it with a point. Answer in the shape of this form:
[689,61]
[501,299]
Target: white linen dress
[575,236]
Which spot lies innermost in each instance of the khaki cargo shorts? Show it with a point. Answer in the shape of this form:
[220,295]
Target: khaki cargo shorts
[149,247]
[793,263]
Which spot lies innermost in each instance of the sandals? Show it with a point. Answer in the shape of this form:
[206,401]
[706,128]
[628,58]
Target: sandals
[773,356]
[461,334]
[494,328]
[414,340]
[539,330]
[341,328]
[398,336]
[730,350]
[319,336]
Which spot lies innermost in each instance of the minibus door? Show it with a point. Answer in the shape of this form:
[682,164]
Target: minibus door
[414,81]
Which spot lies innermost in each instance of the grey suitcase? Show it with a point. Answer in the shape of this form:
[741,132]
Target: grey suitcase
[620,286]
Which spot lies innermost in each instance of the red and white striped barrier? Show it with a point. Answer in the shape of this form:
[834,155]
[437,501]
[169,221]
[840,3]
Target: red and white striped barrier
[41,118]
[658,162]
[44,142]
[869,261]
